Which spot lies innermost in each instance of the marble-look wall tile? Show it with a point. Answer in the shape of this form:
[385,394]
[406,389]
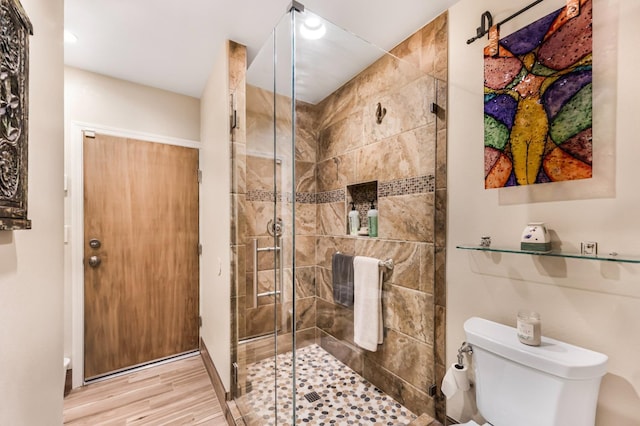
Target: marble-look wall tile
[305,337]
[238,219]
[258,214]
[410,49]
[304,283]
[306,132]
[240,328]
[441,401]
[305,313]
[305,177]
[266,260]
[259,320]
[305,251]
[440,282]
[340,137]
[406,217]
[239,133]
[259,173]
[427,270]
[337,106]
[386,75]
[427,49]
[266,283]
[327,246]
[237,54]
[337,172]
[349,355]
[441,67]
[440,326]
[412,153]
[331,219]
[409,312]
[407,258]
[239,168]
[239,268]
[441,160]
[442,93]
[408,395]
[440,217]
[324,284]
[305,219]
[405,357]
[407,109]
[335,320]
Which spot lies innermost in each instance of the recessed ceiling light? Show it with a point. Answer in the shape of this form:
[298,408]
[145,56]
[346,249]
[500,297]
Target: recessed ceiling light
[69,37]
[313,28]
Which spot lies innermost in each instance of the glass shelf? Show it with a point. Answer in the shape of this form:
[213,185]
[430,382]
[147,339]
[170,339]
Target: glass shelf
[554,253]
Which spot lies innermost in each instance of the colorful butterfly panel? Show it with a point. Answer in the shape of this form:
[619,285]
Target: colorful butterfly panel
[538,102]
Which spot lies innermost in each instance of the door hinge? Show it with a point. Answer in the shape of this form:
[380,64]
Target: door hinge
[200,321]
[89,134]
[199,249]
[434,108]
[199,176]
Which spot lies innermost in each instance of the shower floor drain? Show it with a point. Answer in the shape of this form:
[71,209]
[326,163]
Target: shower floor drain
[312,396]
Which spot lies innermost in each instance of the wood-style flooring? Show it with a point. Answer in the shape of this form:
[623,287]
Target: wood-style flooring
[176,393]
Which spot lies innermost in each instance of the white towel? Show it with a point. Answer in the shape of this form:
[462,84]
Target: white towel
[367,303]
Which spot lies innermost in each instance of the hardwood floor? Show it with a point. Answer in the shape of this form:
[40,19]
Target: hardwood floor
[176,393]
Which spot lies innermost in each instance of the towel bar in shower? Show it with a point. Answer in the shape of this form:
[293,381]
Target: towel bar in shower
[257,250]
[387,263]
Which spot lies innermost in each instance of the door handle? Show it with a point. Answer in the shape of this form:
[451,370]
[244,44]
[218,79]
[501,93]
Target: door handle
[94,261]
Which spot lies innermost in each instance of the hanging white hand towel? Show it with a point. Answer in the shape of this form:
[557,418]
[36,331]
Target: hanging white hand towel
[367,303]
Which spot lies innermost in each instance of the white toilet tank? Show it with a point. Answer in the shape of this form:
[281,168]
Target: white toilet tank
[554,384]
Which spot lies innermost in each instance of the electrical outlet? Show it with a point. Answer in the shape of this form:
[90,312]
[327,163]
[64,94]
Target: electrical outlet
[589,248]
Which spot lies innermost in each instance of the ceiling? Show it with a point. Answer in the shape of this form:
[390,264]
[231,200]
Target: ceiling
[160,44]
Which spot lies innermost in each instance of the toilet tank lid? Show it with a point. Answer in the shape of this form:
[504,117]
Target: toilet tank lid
[552,356]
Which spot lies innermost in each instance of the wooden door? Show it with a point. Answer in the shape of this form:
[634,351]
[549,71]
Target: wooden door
[141,300]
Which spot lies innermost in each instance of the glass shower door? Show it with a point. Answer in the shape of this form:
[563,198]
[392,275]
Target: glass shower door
[332,120]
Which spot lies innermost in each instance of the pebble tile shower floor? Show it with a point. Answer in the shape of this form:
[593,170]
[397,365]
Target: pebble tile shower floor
[345,398]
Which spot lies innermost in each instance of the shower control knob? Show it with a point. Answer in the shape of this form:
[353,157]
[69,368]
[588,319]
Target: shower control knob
[94,261]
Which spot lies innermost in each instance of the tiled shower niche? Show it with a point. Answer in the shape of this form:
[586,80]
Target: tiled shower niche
[362,195]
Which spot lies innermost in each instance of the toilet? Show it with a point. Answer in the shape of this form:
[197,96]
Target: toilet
[552,384]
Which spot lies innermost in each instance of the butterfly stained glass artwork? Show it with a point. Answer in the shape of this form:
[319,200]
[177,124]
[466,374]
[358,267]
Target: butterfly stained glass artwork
[538,102]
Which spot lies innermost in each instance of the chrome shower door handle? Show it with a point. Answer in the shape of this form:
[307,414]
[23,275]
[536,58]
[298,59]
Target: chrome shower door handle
[255,272]
[94,261]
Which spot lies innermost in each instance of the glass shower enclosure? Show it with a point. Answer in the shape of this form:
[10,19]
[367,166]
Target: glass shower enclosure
[332,122]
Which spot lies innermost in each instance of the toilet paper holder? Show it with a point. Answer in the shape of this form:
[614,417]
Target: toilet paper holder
[465,348]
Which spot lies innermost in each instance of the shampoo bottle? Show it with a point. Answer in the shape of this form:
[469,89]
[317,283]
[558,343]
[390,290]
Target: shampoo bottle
[354,220]
[372,217]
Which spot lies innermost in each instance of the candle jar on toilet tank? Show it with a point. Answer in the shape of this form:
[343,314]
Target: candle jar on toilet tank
[529,327]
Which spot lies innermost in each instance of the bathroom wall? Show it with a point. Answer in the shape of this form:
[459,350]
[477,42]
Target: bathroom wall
[401,155]
[31,272]
[96,99]
[584,302]
[216,267]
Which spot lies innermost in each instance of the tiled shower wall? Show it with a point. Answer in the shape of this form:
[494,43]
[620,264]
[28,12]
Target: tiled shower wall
[405,154]
[339,143]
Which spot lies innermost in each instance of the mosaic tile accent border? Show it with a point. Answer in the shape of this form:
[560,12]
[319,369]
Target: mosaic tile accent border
[335,196]
[268,196]
[414,185]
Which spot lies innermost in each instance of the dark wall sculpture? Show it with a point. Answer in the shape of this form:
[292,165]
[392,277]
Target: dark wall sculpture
[15,29]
